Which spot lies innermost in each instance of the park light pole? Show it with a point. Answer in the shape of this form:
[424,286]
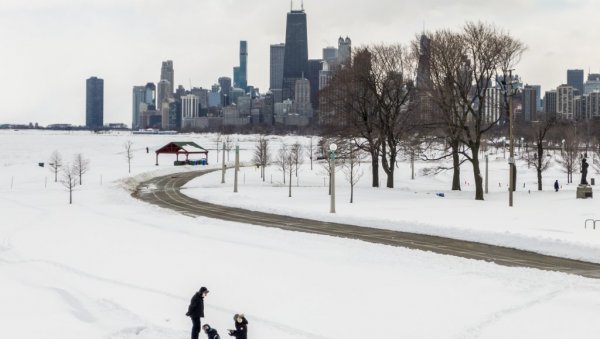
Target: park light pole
[510,90]
[237,168]
[332,149]
[223,166]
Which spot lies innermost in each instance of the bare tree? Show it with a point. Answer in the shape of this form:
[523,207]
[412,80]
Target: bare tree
[69,180]
[261,154]
[569,152]
[81,166]
[312,146]
[218,141]
[392,86]
[55,164]
[297,152]
[487,52]
[539,161]
[350,94]
[228,145]
[446,57]
[352,169]
[291,159]
[596,160]
[281,159]
[129,153]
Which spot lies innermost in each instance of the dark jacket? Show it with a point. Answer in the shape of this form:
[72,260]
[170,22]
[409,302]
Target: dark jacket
[241,330]
[196,308]
[556,185]
[212,334]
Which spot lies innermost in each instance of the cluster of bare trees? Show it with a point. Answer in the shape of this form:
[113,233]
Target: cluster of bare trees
[71,174]
[289,158]
[381,108]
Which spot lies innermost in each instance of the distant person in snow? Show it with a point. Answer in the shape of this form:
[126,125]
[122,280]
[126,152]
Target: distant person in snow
[147,150]
[556,186]
[211,333]
[241,327]
[196,310]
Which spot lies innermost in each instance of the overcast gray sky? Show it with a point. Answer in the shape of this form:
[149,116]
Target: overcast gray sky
[49,47]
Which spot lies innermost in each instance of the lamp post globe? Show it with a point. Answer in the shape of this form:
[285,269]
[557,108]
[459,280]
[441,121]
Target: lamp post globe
[333,147]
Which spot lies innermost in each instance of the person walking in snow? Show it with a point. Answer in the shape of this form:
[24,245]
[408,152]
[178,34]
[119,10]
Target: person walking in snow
[211,333]
[241,327]
[196,310]
[556,186]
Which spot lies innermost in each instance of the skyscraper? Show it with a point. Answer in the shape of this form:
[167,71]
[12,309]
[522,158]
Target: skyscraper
[167,73]
[344,50]
[240,74]
[225,84]
[330,54]
[295,62]
[165,92]
[150,99]
[139,98]
[529,106]
[565,102]
[94,103]
[314,67]
[276,71]
[575,79]
[302,103]
[550,102]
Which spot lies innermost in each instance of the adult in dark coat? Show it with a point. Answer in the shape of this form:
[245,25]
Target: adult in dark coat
[211,333]
[196,310]
[556,186]
[241,327]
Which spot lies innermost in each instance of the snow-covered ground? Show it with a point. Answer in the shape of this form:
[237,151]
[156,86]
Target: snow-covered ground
[110,266]
[546,222]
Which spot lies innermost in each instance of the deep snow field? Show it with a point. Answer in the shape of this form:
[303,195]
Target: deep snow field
[110,266]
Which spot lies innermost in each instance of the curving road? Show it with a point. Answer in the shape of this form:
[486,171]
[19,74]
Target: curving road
[165,192]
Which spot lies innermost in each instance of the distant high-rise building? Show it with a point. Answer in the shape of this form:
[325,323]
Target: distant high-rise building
[167,73]
[314,67]
[565,102]
[538,92]
[592,84]
[344,50]
[165,92]
[240,73]
[529,103]
[151,95]
[295,61]
[575,80]
[592,105]
[190,106]
[330,54]
[550,103]
[139,100]
[94,103]
[277,55]
[302,103]
[225,84]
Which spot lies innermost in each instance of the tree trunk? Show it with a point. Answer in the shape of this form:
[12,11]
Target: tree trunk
[477,174]
[455,167]
[375,168]
[388,166]
[290,183]
[540,163]
[70,196]
[351,193]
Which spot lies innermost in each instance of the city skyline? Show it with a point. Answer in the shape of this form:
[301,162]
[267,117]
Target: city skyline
[57,44]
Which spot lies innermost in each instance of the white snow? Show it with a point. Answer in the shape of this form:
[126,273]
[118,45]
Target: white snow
[545,222]
[110,266]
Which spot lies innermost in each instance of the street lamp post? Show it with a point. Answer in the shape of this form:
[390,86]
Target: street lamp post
[332,149]
[237,168]
[223,166]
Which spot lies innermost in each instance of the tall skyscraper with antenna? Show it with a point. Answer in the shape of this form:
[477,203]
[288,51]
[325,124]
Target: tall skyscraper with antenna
[295,62]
